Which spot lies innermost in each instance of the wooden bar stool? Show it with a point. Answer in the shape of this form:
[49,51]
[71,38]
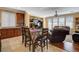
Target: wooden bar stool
[42,40]
[23,34]
[28,38]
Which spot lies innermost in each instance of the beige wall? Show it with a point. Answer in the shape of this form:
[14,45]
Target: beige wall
[0,17]
[45,23]
[27,19]
[76,15]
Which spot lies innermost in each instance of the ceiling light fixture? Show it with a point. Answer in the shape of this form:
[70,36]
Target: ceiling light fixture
[56,15]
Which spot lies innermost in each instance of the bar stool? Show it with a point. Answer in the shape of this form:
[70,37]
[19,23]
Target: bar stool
[42,40]
[28,38]
[23,34]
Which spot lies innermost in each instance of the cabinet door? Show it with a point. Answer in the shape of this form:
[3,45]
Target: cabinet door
[3,33]
[20,19]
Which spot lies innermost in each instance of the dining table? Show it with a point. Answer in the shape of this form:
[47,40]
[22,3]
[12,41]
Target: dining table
[34,34]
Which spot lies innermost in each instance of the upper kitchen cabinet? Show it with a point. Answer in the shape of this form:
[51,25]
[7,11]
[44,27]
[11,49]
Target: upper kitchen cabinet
[20,19]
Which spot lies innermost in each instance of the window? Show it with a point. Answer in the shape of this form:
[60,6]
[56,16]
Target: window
[69,21]
[61,21]
[55,22]
[50,24]
[8,19]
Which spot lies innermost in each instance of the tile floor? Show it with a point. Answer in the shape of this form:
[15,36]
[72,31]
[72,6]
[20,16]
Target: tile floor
[15,45]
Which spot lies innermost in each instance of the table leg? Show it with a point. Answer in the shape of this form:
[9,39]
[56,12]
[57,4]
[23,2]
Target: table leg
[33,47]
[23,37]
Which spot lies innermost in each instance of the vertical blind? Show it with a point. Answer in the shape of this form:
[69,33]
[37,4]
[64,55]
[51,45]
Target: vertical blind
[69,21]
[8,19]
[61,21]
[55,22]
[50,24]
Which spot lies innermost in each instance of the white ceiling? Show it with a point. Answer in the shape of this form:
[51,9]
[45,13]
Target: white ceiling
[48,11]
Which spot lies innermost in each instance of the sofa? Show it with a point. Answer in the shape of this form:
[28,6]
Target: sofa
[59,34]
[75,37]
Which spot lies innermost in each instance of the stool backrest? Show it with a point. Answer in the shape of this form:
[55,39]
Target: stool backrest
[45,32]
[27,33]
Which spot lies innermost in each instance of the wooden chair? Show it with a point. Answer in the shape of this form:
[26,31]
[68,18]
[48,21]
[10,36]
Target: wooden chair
[28,38]
[23,34]
[45,34]
[43,39]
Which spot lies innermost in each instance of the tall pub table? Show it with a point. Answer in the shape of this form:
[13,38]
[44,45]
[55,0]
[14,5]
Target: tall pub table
[34,34]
